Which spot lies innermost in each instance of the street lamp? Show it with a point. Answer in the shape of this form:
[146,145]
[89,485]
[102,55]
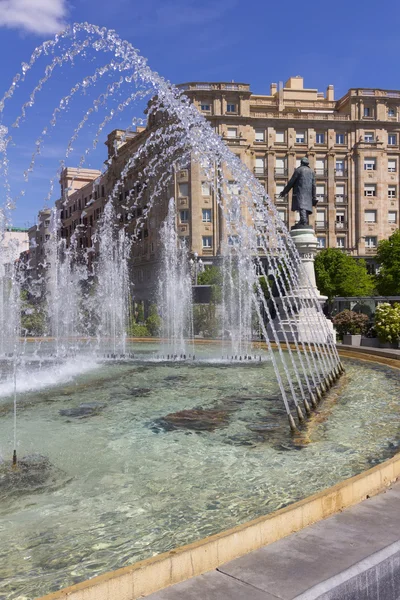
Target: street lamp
[196,266]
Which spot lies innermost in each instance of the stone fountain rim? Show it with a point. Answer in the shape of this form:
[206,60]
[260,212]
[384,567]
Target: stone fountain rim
[156,573]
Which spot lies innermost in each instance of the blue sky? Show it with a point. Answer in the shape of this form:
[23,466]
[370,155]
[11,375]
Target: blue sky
[348,44]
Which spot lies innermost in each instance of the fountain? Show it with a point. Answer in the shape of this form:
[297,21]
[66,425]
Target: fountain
[159,440]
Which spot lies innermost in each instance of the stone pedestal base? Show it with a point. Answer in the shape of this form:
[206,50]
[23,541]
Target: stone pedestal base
[298,317]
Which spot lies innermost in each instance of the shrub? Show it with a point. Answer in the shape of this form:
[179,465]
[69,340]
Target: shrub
[387,322]
[139,331]
[349,322]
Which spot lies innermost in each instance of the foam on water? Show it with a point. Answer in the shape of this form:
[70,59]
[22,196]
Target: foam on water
[56,374]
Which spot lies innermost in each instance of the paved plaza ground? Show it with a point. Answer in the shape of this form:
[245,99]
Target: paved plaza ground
[353,555]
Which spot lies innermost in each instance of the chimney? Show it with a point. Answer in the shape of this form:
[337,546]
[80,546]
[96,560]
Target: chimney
[274,89]
[330,93]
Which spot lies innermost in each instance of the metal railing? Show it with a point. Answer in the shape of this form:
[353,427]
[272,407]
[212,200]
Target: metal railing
[259,170]
[281,171]
[340,172]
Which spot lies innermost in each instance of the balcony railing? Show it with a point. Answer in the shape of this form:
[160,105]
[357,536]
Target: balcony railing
[341,198]
[321,198]
[340,172]
[320,226]
[341,225]
[281,172]
[259,171]
[321,172]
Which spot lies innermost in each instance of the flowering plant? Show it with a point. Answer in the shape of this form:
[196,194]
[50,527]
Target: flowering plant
[387,322]
[349,322]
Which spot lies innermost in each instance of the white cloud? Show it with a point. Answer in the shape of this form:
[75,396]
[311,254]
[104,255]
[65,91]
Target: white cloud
[36,16]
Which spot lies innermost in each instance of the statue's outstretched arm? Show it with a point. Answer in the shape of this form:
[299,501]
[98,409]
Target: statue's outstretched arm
[289,185]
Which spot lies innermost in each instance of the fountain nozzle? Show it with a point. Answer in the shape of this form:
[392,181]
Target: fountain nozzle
[14,461]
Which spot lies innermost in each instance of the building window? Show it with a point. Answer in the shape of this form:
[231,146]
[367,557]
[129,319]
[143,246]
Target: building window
[300,137]
[278,189]
[207,241]
[183,190]
[392,216]
[259,135]
[392,166]
[370,216]
[280,166]
[392,139]
[231,108]
[391,112]
[320,138]
[205,188]
[320,219]
[259,169]
[392,191]
[340,138]
[370,190]
[232,132]
[370,241]
[280,137]
[369,136]
[369,164]
[205,107]
[367,111]
[233,240]
[321,242]
[320,189]
[206,212]
[282,215]
[298,162]
[340,218]
[233,188]
[339,169]
[320,166]
[184,216]
[340,242]
[339,192]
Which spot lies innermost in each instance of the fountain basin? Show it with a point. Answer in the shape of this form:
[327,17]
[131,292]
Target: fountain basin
[138,489]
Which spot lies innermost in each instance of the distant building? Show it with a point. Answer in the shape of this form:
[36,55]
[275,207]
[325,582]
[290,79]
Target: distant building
[14,243]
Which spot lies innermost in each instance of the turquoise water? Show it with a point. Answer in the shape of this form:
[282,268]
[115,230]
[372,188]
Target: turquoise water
[128,481]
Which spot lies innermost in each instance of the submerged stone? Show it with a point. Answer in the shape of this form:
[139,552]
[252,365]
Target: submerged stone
[88,409]
[139,392]
[195,419]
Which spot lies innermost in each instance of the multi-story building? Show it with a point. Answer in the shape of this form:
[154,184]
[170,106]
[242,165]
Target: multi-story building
[352,145]
[38,234]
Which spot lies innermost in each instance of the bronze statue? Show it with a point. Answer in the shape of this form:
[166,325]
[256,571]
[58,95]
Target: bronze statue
[304,193]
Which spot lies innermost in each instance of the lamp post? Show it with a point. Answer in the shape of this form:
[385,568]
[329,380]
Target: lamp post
[196,266]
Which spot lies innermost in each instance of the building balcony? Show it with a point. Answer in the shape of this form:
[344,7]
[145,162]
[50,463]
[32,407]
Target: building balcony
[321,172]
[341,199]
[260,171]
[340,172]
[321,226]
[341,225]
[322,199]
[281,172]
[281,200]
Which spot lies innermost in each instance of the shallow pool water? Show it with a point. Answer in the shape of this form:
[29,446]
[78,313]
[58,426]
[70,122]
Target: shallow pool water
[162,454]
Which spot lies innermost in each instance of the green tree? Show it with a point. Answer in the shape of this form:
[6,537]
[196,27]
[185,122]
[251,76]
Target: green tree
[153,321]
[33,316]
[339,274]
[212,276]
[388,257]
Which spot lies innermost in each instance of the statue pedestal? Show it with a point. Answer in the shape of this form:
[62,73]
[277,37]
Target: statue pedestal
[298,316]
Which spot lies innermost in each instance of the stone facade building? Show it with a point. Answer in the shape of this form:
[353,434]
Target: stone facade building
[352,144]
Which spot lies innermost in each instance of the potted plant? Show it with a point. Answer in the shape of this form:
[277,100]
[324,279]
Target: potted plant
[387,324]
[350,326]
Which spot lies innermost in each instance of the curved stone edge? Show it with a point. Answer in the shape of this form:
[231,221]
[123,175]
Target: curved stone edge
[148,576]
